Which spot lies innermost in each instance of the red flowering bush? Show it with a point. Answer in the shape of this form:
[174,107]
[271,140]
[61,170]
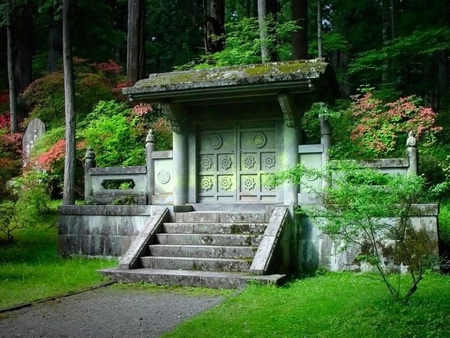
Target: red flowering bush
[10,153]
[109,67]
[368,128]
[379,125]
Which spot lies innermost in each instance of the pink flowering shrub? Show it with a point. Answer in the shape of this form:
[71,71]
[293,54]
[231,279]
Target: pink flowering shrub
[109,67]
[380,129]
[48,159]
[10,153]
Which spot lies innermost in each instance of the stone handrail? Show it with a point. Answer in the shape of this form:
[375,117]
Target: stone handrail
[129,185]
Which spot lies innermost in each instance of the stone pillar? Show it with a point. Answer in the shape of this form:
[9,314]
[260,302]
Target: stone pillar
[290,159]
[149,148]
[325,140]
[89,162]
[180,168]
[413,154]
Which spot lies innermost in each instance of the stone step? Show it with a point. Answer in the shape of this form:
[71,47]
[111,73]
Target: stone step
[214,228]
[210,279]
[208,239]
[191,263]
[220,217]
[203,251]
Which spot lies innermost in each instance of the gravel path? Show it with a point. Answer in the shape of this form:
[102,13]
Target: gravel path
[105,313]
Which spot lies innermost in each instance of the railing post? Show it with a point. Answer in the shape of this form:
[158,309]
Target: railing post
[413,154]
[89,162]
[149,149]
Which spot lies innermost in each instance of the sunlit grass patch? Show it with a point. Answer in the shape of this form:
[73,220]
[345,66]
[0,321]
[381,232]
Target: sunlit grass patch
[334,305]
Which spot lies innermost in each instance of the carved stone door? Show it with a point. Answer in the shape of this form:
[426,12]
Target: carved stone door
[234,163]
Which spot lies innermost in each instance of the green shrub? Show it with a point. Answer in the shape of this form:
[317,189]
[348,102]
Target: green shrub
[109,130]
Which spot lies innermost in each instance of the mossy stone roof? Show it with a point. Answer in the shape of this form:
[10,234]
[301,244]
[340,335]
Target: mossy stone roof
[229,79]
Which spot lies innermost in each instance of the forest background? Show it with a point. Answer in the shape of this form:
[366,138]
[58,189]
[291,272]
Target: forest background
[391,58]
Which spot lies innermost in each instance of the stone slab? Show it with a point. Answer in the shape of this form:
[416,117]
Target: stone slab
[210,279]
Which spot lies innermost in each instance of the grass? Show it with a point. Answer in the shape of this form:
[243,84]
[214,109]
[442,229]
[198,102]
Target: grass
[334,305]
[31,270]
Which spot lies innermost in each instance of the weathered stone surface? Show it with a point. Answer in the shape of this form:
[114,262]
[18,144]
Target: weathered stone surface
[100,230]
[217,228]
[210,279]
[243,76]
[139,247]
[208,239]
[202,251]
[195,263]
[270,239]
[35,129]
[118,170]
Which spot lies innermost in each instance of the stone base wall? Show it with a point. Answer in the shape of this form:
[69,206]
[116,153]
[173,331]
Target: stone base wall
[316,250]
[100,230]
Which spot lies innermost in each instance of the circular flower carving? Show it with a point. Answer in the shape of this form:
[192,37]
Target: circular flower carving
[216,141]
[259,140]
[207,183]
[270,161]
[249,183]
[164,176]
[206,163]
[226,183]
[226,162]
[249,162]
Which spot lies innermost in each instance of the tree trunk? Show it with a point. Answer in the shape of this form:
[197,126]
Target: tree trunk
[136,41]
[55,44]
[262,13]
[22,30]
[69,95]
[11,77]
[215,26]
[272,10]
[300,37]
[319,28]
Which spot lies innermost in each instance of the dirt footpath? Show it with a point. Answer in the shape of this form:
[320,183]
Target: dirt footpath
[107,312]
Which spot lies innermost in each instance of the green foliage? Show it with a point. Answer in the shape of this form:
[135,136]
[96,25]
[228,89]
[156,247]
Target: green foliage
[110,132]
[331,41]
[27,203]
[365,207]
[422,41]
[243,45]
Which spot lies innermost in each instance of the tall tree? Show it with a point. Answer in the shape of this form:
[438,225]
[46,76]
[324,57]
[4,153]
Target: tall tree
[69,95]
[299,10]
[136,41]
[215,26]
[11,78]
[263,34]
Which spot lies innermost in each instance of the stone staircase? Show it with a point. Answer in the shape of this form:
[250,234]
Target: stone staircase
[202,248]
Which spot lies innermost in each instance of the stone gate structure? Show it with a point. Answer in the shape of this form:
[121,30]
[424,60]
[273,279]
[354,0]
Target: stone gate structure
[203,213]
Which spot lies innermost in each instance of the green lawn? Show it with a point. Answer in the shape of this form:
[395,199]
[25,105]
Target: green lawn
[334,305]
[30,268]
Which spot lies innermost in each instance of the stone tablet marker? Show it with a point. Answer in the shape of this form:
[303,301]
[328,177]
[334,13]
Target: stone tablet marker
[34,130]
